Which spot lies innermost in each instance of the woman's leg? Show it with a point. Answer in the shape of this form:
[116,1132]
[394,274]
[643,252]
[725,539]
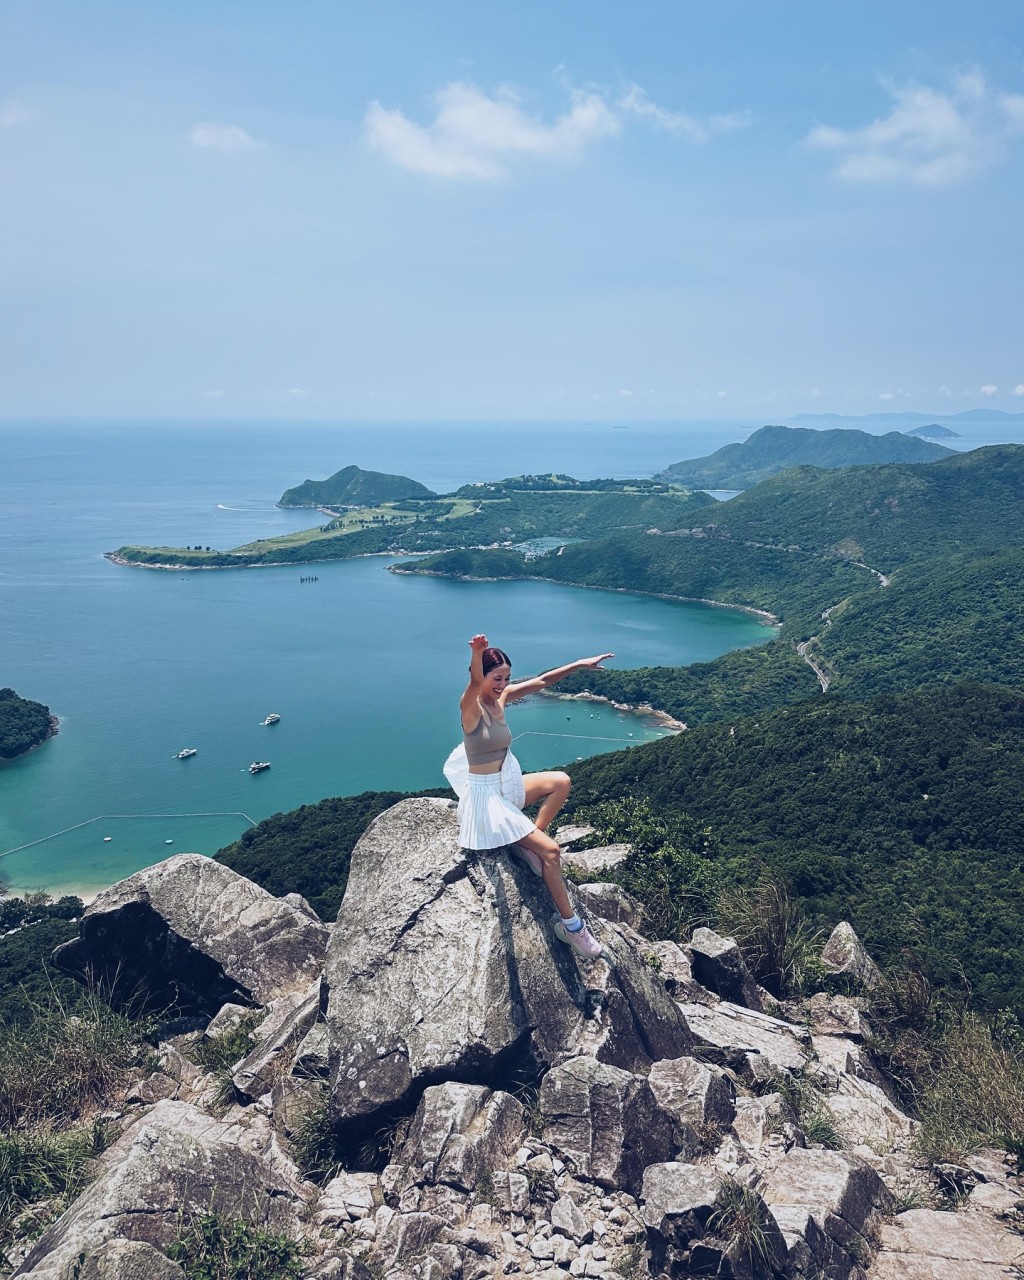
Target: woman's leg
[540,843]
[551,790]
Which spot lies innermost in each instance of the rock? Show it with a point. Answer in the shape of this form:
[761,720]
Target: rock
[129,1260]
[405,1236]
[678,1201]
[569,833]
[311,1058]
[346,1198]
[844,956]
[719,965]
[289,1020]
[190,933]
[460,1131]
[699,1098]
[567,1220]
[339,1264]
[673,964]
[581,863]
[297,901]
[610,902]
[752,1044]
[867,1117]
[442,965]
[152,1089]
[995,1198]
[175,1160]
[840,1191]
[605,1121]
[809,1251]
[511,1191]
[229,1017]
[945,1246]
[835,1015]
[756,1118]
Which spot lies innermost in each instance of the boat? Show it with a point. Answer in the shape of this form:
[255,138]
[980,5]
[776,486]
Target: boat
[185,752]
[258,766]
[271,719]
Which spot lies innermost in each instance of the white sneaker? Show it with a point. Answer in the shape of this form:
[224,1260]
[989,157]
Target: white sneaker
[531,859]
[582,940]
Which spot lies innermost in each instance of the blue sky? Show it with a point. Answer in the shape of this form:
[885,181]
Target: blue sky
[578,210]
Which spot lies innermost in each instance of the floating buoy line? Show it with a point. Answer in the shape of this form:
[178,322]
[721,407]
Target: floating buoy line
[133,817]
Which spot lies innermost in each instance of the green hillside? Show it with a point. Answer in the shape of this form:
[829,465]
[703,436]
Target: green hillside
[774,449]
[24,724]
[353,487]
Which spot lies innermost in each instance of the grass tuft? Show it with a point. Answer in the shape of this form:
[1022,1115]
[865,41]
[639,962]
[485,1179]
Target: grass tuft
[779,944]
[741,1217]
[212,1247]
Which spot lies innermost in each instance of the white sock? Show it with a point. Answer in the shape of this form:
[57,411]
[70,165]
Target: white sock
[573,923]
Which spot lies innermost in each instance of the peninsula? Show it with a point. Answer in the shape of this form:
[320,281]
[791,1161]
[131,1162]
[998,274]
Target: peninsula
[353,487]
[24,724]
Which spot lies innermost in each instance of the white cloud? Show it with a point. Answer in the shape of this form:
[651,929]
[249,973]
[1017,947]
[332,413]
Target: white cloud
[944,390]
[636,101]
[215,394]
[474,133]
[626,394]
[214,135]
[1019,389]
[887,395]
[989,389]
[930,137]
[721,394]
[12,113]
[816,392]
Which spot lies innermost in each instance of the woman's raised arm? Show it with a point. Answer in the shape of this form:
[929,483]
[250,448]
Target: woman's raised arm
[469,704]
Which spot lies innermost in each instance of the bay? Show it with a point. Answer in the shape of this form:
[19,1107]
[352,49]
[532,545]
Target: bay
[365,667]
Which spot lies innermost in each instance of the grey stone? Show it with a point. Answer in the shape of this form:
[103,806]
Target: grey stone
[836,1015]
[442,964]
[700,1098]
[844,956]
[229,1017]
[809,1251]
[678,1201]
[609,902]
[867,1117]
[591,862]
[718,965]
[347,1197]
[754,1045]
[673,965]
[190,933]
[174,1160]
[946,1246]
[277,1039]
[604,1120]
[405,1236]
[843,1194]
[567,1220]
[129,1260]
[569,833]
[293,1101]
[461,1131]
[311,1056]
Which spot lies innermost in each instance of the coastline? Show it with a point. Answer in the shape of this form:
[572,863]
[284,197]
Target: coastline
[661,718]
[51,732]
[767,619]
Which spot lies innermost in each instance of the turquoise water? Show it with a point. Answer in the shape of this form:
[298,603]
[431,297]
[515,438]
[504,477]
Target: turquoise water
[364,667]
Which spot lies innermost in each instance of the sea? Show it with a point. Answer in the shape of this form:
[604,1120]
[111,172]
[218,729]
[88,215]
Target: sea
[364,667]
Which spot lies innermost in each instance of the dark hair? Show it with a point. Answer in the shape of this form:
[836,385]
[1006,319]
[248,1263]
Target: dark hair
[495,658]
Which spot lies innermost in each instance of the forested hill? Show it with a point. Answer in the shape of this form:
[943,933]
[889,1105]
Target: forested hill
[351,486]
[904,815]
[774,449]
[24,724]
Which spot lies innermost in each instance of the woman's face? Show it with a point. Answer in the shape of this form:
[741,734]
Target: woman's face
[496,681]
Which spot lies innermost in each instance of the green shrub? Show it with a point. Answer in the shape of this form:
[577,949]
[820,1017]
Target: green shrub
[779,944]
[43,1166]
[212,1247]
[741,1217]
[219,1053]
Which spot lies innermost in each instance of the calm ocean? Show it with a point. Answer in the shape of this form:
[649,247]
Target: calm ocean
[364,667]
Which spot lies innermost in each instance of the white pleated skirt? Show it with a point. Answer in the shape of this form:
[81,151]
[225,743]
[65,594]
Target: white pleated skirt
[490,804]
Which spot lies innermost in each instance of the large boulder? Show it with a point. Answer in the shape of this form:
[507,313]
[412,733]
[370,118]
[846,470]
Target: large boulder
[190,934]
[606,1121]
[443,966]
[845,956]
[173,1162]
[460,1132]
[719,966]
[754,1045]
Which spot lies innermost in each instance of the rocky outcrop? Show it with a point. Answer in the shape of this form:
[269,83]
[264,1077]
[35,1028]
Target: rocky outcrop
[538,1114]
[718,965]
[443,965]
[172,1162]
[844,956]
[190,934]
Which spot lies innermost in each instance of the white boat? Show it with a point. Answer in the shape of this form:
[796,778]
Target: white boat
[185,752]
[271,719]
[258,766]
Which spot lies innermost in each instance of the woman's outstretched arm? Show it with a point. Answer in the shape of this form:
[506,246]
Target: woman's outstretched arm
[549,678]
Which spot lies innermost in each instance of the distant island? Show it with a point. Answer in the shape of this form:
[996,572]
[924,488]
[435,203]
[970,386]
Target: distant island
[24,724]
[933,431]
[966,415]
[775,448]
[354,487]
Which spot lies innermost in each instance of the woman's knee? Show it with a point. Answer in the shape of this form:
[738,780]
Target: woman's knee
[563,784]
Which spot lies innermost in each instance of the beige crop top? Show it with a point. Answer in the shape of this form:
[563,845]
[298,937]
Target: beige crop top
[489,741]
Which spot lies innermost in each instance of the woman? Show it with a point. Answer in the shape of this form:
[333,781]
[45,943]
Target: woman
[492,789]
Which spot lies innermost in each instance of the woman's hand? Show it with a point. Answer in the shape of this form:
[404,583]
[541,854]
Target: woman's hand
[596,661]
[479,643]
